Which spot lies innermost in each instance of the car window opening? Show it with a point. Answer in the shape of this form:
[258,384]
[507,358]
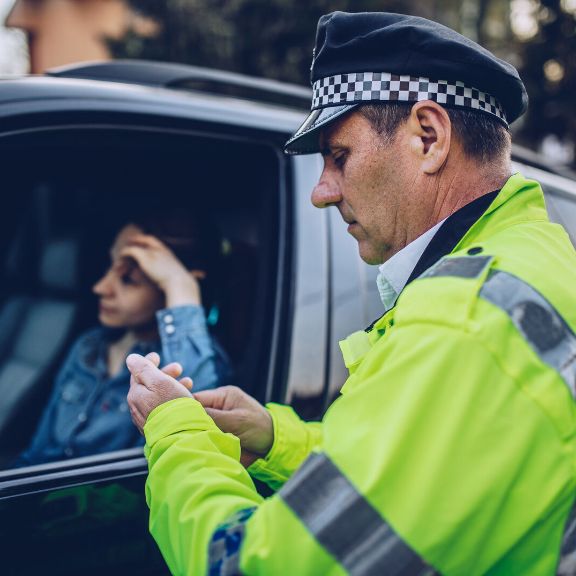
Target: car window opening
[64,196]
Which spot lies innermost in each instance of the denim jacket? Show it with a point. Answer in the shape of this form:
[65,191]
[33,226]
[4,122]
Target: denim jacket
[87,412]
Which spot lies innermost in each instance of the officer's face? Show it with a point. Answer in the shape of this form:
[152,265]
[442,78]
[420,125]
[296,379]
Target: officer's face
[369,180]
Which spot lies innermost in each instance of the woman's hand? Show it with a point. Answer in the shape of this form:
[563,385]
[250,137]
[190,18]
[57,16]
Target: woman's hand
[160,264]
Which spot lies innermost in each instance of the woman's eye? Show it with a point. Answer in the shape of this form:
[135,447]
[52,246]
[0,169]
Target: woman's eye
[127,279]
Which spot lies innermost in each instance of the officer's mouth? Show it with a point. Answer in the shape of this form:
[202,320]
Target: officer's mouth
[352,226]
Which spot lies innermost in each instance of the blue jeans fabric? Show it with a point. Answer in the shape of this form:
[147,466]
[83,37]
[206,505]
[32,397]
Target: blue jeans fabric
[87,412]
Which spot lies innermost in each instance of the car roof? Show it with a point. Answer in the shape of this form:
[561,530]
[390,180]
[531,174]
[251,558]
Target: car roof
[179,90]
[152,87]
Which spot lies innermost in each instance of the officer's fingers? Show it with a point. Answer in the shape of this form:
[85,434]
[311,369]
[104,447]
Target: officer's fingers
[227,421]
[137,418]
[186,382]
[211,398]
[154,357]
[145,373]
[173,369]
[133,405]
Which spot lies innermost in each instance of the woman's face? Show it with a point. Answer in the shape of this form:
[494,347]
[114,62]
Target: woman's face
[128,298]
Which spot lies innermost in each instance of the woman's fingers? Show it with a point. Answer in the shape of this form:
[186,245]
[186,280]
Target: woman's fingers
[134,252]
[147,240]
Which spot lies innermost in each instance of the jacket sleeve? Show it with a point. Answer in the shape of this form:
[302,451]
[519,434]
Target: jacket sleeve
[294,440]
[427,459]
[185,339]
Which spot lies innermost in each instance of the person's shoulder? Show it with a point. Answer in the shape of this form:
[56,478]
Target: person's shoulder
[446,292]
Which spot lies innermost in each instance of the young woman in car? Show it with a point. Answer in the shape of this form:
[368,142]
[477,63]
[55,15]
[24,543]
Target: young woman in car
[149,300]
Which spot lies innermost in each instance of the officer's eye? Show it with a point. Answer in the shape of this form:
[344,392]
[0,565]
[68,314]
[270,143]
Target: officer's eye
[340,159]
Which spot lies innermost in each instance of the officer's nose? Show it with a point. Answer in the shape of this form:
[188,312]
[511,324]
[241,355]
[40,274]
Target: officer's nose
[326,192]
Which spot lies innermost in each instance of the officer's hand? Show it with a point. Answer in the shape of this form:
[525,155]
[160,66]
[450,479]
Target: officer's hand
[150,386]
[236,412]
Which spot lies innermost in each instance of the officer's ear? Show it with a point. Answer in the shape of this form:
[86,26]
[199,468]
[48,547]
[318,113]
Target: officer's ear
[430,131]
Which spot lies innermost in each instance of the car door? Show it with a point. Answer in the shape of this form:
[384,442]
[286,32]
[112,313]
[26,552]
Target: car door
[72,150]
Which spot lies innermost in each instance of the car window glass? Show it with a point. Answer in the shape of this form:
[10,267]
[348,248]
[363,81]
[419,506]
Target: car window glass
[69,191]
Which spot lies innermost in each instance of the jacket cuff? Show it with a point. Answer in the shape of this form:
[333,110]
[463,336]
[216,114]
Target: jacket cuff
[177,320]
[178,415]
[289,450]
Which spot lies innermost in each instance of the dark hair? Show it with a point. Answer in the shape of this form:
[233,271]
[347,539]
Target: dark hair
[190,233]
[192,238]
[482,137]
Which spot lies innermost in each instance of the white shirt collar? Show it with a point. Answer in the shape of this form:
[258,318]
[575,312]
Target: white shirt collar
[394,273]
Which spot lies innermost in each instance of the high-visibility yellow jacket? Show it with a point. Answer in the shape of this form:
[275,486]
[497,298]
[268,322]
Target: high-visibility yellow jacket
[451,448]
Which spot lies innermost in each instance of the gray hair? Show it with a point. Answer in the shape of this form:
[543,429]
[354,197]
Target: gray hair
[482,137]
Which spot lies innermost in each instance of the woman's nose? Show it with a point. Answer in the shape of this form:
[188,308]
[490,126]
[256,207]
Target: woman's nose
[326,192]
[103,287]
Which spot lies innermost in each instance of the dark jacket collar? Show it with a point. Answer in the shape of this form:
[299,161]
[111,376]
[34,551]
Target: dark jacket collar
[449,234]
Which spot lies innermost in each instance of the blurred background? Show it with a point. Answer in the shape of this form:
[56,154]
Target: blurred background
[274,39]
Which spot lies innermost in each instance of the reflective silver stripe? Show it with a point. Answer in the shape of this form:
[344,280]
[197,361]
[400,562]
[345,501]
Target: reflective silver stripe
[537,320]
[548,335]
[224,548]
[346,525]
[459,266]
[567,561]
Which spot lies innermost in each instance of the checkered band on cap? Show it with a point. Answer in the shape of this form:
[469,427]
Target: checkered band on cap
[383,86]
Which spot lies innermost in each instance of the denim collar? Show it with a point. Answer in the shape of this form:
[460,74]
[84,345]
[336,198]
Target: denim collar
[93,355]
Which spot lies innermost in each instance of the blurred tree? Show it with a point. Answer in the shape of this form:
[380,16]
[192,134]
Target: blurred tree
[548,68]
[271,38]
[274,39]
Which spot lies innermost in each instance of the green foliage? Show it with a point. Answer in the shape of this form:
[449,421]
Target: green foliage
[274,39]
[271,38]
[552,95]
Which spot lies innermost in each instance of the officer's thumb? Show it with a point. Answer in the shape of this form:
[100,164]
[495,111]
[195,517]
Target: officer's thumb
[211,399]
[225,420]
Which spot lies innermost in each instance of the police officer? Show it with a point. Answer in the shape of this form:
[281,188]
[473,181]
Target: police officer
[451,448]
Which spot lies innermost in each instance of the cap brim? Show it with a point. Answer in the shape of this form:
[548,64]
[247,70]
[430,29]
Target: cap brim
[306,139]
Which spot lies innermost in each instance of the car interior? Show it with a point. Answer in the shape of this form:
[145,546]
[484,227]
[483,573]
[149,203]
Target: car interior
[64,193]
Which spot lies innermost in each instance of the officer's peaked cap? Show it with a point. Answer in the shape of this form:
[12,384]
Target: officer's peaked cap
[383,57]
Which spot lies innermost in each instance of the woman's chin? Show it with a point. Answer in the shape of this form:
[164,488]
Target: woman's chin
[109,321]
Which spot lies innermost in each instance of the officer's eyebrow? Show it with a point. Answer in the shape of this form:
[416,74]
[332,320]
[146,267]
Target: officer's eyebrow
[328,146]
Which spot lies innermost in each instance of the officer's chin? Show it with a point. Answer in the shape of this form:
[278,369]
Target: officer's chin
[372,256]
